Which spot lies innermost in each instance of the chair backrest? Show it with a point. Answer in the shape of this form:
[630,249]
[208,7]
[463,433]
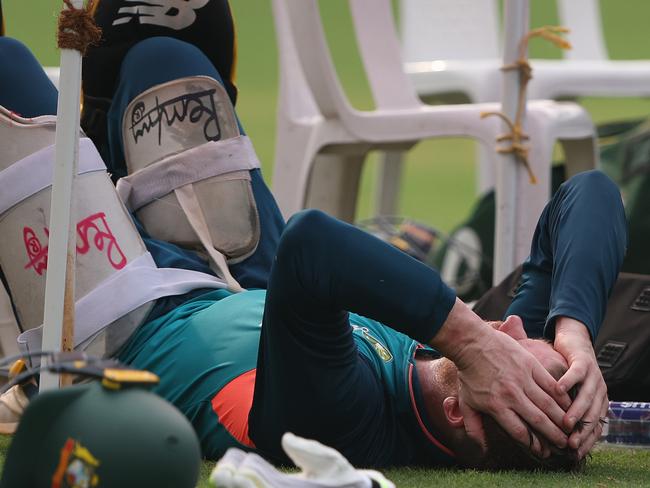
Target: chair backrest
[378,45]
[449,29]
[381,53]
[295,94]
[586,36]
[469,29]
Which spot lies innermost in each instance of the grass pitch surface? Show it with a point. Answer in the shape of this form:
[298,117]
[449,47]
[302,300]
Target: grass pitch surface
[438,185]
[609,467]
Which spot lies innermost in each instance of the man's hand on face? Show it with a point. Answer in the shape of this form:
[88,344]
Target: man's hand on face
[499,377]
[572,340]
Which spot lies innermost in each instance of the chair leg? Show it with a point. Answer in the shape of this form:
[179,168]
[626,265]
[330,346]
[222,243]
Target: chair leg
[389,180]
[294,153]
[531,198]
[334,184]
[485,170]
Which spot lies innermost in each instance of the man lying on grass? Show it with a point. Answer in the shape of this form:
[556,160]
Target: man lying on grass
[340,337]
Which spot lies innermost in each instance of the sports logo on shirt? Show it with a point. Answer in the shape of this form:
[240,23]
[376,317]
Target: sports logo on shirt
[376,344]
[175,14]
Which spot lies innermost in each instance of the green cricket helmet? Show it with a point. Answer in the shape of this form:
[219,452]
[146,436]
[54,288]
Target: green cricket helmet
[102,435]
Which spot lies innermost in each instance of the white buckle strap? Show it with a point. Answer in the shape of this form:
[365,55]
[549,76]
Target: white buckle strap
[192,208]
[213,158]
[139,282]
[178,172]
[33,173]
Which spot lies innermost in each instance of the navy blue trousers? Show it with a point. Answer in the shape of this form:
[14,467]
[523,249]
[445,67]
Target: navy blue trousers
[157,60]
[576,254]
[24,87]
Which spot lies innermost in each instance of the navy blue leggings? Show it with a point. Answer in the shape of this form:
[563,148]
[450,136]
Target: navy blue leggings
[24,87]
[158,60]
[576,254]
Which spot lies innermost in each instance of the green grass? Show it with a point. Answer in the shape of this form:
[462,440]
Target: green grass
[609,467]
[439,179]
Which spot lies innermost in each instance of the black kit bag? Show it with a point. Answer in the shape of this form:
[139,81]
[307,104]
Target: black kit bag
[623,343]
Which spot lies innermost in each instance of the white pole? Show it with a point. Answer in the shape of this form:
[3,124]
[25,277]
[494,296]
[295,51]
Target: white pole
[59,287]
[516,27]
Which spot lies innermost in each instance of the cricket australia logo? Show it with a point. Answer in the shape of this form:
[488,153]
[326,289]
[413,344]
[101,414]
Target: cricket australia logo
[381,350]
[175,14]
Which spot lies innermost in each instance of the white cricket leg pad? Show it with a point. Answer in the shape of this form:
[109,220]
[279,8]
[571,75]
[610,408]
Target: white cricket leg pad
[109,247]
[13,403]
[188,165]
[8,325]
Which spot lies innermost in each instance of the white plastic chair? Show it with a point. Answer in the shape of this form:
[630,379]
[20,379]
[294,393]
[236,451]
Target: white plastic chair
[452,46]
[322,140]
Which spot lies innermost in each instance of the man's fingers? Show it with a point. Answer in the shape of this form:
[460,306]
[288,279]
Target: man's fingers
[547,383]
[589,441]
[574,375]
[596,433]
[591,394]
[539,421]
[473,425]
[519,431]
[547,404]
[584,439]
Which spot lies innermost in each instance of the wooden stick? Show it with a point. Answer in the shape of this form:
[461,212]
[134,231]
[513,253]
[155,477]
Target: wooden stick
[58,330]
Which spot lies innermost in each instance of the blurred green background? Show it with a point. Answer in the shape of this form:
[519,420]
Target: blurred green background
[438,186]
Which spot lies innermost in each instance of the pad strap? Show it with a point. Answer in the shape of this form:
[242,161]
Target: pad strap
[190,204]
[34,173]
[139,282]
[213,158]
[177,173]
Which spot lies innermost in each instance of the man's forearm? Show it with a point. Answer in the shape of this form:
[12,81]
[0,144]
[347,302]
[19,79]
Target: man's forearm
[462,328]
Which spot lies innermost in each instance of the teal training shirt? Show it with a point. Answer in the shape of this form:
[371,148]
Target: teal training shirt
[392,356]
[205,353]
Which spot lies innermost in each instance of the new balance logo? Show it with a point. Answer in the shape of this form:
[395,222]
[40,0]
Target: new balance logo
[175,14]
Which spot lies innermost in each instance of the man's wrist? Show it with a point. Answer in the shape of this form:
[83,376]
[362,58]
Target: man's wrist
[461,329]
[568,327]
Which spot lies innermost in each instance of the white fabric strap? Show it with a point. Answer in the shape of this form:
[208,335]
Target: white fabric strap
[139,282]
[34,173]
[213,158]
[190,204]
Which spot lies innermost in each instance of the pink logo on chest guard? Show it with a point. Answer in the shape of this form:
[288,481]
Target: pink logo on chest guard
[103,239]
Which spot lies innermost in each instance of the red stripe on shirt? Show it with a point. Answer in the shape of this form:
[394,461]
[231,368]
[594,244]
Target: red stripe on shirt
[232,405]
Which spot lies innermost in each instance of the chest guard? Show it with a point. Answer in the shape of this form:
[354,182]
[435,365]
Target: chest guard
[189,171]
[116,278]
